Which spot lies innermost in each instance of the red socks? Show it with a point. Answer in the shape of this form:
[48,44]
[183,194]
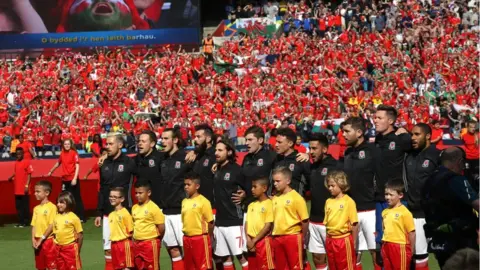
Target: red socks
[421,264]
[108,264]
[177,264]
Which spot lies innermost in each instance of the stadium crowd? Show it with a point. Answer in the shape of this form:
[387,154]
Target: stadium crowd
[390,93]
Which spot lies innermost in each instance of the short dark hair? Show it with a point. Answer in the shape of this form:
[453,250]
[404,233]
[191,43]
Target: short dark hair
[287,133]
[399,187]
[193,176]
[68,199]
[357,123]
[143,184]
[120,190]
[320,138]
[176,134]
[207,130]
[46,185]
[19,149]
[256,131]
[262,181]
[151,135]
[425,128]
[389,110]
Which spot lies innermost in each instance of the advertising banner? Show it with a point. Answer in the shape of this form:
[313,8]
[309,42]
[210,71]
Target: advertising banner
[28,24]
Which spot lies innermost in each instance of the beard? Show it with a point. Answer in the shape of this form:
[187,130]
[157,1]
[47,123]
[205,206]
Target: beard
[200,149]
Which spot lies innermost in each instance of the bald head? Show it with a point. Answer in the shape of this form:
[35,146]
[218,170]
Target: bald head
[453,158]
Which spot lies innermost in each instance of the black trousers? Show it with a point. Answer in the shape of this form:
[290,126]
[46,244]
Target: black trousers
[75,190]
[22,203]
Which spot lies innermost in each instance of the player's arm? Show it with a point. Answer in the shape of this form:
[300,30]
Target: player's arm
[161,230]
[88,174]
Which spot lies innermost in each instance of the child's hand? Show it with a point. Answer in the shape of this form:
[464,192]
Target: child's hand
[34,242]
[250,244]
[37,243]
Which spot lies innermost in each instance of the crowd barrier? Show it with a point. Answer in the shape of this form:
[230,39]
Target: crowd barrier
[88,187]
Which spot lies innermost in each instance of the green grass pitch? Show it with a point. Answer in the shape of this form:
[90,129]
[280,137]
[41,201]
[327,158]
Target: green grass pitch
[16,251]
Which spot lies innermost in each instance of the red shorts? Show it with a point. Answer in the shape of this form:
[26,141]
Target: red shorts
[46,254]
[197,252]
[68,257]
[262,258]
[147,253]
[289,253]
[340,253]
[122,254]
[396,256]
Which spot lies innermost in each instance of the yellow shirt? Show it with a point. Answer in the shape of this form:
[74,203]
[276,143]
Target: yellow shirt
[397,223]
[258,214]
[146,217]
[43,216]
[340,215]
[289,210]
[196,214]
[121,225]
[66,227]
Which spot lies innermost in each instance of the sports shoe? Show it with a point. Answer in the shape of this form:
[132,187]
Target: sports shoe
[19,226]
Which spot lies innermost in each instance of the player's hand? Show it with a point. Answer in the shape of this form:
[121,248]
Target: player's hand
[98,222]
[37,243]
[101,160]
[401,131]
[190,157]
[302,157]
[26,190]
[214,168]
[74,182]
[250,245]
[238,197]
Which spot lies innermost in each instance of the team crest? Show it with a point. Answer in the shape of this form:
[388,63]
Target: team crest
[227,176]
[66,221]
[194,206]
[291,167]
[288,202]
[397,215]
[426,163]
[45,212]
[151,163]
[341,206]
[146,212]
[260,162]
[205,163]
[324,171]
[361,154]
[177,165]
[262,210]
[391,146]
[120,168]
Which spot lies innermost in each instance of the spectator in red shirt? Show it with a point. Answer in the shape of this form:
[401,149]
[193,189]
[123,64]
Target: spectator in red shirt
[70,168]
[47,142]
[21,183]
[27,147]
[471,142]
[56,140]
[437,133]
[3,115]
[299,146]
[96,145]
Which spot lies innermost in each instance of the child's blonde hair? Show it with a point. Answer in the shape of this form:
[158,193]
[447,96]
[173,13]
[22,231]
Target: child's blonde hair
[340,178]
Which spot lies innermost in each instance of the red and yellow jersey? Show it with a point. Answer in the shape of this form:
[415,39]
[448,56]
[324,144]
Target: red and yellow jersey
[258,214]
[397,223]
[340,215]
[146,217]
[121,225]
[43,216]
[66,228]
[196,214]
[289,210]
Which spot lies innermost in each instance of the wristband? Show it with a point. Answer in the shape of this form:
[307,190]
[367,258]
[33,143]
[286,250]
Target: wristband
[43,237]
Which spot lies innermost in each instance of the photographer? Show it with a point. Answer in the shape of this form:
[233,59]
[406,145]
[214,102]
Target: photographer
[448,201]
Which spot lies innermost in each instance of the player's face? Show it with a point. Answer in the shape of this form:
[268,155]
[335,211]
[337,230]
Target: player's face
[221,153]
[280,182]
[200,138]
[317,151]
[62,206]
[282,145]
[167,141]
[115,198]
[381,121]
[142,194]
[145,145]
[67,145]
[392,197]
[419,138]
[333,188]
[350,135]
[190,187]
[253,144]
[113,147]
[258,189]
[40,193]
[299,140]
